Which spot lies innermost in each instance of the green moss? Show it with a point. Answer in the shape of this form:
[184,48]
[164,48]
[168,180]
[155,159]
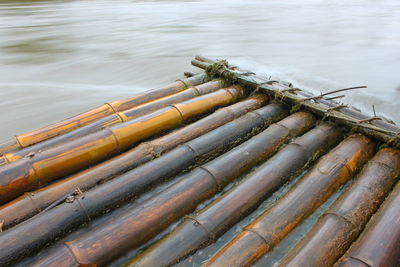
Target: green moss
[295,108]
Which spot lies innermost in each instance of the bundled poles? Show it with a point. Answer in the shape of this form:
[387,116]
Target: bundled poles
[33,202]
[30,172]
[64,126]
[138,224]
[36,232]
[379,244]
[116,118]
[372,127]
[219,216]
[332,171]
[342,223]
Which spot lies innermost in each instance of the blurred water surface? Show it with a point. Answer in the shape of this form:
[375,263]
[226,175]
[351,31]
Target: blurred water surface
[59,58]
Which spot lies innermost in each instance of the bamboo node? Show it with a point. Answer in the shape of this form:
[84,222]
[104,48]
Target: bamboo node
[78,191]
[395,139]
[30,155]
[70,199]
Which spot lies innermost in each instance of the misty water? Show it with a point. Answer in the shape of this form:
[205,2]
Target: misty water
[59,58]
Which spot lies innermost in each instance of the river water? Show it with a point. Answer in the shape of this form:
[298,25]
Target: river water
[59,58]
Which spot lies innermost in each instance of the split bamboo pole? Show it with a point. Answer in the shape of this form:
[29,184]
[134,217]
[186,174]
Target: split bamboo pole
[346,218]
[32,203]
[379,244]
[116,118]
[140,223]
[211,222]
[31,172]
[332,171]
[43,228]
[381,130]
[64,126]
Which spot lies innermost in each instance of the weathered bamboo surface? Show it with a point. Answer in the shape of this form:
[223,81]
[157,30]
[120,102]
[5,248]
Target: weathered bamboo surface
[30,172]
[117,118]
[34,202]
[233,206]
[64,126]
[372,127]
[134,190]
[379,244]
[342,223]
[332,171]
[35,233]
[139,224]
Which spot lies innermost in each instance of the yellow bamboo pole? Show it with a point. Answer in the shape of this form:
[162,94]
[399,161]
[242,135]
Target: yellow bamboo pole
[31,172]
[64,126]
[116,118]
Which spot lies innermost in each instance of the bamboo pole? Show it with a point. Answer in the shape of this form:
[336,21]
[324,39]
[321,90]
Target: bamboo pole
[282,85]
[381,130]
[32,203]
[345,219]
[43,228]
[332,171]
[31,172]
[138,224]
[379,244]
[117,118]
[211,222]
[64,126]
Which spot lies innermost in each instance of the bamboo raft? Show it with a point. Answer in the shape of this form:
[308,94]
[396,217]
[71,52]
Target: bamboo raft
[221,168]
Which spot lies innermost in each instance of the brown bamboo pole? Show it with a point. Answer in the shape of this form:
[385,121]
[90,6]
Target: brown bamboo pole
[345,219]
[332,171]
[140,223]
[43,228]
[30,172]
[116,118]
[282,85]
[32,203]
[384,131]
[379,244]
[211,222]
[64,126]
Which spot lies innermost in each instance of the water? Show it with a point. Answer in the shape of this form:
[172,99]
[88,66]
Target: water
[59,58]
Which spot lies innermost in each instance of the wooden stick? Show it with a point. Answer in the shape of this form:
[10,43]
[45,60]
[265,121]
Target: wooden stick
[141,223]
[208,224]
[345,219]
[116,118]
[332,171]
[31,172]
[34,202]
[64,126]
[378,129]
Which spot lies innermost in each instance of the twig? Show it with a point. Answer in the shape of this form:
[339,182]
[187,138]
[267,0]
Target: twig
[334,97]
[333,92]
[369,119]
